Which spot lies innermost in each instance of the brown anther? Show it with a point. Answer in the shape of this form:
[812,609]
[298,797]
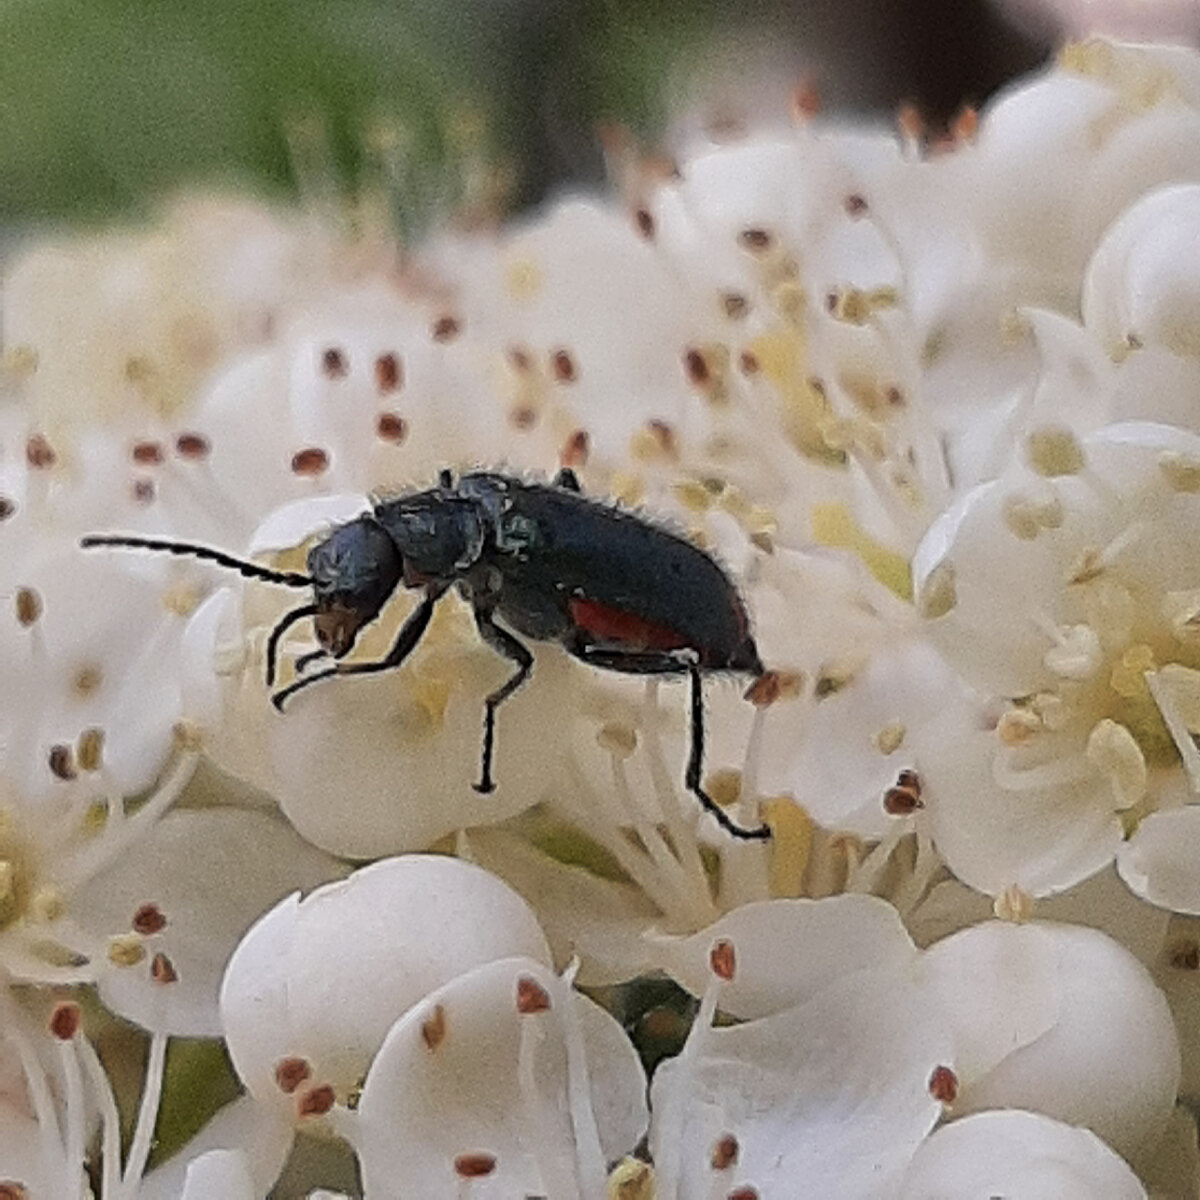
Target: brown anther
[291,1072]
[743,1193]
[148,920]
[1185,955]
[805,101]
[474,1166]
[11,1190]
[562,367]
[758,240]
[29,606]
[310,461]
[389,375]
[722,960]
[433,1028]
[855,205]
[316,1102]
[574,452]
[644,220]
[832,299]
[90,749]
[7,508]
[894,396]
[769,687]
[522,416]
[62,761]
[162,969]
[943,1085]
[664,435]
[724,1152]
[519,359]
[900,802]
[910,122]
[192,446]
[446,328]
[147,454]
[391,427]
[734,305]
[64,1020]
[39,454]
[748,362]
[334,363]
[966,124]
[531,996]
[143,490]
[696,367]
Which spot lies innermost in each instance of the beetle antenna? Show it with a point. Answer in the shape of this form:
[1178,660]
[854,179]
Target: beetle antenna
[242,566]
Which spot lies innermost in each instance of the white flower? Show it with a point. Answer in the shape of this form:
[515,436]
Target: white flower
[419,992]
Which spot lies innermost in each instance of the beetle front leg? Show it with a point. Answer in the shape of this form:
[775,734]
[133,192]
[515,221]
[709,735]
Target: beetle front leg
[504,643]
[406,641]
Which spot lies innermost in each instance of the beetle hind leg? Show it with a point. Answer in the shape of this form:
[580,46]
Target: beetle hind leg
[696,764]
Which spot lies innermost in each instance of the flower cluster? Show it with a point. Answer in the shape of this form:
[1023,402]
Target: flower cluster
[929,397]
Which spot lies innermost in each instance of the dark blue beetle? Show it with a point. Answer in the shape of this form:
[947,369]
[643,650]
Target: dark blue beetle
[554,565]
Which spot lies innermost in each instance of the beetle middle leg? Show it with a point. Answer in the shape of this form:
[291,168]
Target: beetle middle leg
[675,662]
[504,643]
[406,641]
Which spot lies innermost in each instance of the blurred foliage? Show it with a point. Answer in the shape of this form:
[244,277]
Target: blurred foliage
[105,105]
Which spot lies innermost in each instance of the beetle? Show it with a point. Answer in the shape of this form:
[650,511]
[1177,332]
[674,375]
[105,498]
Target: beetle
[615,590]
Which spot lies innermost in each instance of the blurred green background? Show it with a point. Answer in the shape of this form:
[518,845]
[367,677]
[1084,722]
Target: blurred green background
[106,105]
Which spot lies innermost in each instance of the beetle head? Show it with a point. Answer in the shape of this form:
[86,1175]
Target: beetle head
[354,570]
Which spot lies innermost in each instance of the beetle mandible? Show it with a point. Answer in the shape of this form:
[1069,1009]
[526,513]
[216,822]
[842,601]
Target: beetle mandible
[613,589]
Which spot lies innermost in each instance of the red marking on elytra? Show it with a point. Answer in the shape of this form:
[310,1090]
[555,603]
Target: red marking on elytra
[625,628]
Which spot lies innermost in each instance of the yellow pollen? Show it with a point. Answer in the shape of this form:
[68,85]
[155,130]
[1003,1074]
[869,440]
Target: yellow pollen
[1112,750]
[790,301]
[1017,726]
[47,904]
[890,738]
[1184,685]
[1181,611]
[1013,904]
[618,738]
[627,488]
[21,360]
[90,750]
[181,600]
[1021,518]
[1128,677]
[1054,451]
[790,848]
[9,904]
[938,594]
[55,954]
[631,1179]
[95,817]
[693,495]
[1181,471]
[724,786]
[833,525]
[1053,712]
[523,279]
[126,950]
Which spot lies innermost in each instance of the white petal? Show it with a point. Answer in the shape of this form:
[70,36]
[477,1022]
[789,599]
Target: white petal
[1061,1020]
[325,978]
[211,873]
[218,1175]
[1159,861]
[789,950]
[1018,1155]
[465,1072]
[834,1092]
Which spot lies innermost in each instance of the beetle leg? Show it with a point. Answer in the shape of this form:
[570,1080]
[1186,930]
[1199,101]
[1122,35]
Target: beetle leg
[306,660]
[696,763]
[675,662]
[281,627]
[566,478]
[504,643]
[406,641]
